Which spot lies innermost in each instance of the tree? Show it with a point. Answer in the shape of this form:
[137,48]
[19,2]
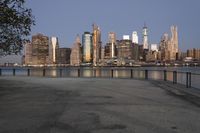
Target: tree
[15,25]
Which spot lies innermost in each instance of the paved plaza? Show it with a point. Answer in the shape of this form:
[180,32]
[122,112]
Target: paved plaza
[90,105]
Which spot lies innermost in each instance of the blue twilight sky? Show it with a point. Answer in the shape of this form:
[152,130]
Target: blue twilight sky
[67,18]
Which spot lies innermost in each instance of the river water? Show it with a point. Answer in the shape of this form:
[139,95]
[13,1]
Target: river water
[154,73]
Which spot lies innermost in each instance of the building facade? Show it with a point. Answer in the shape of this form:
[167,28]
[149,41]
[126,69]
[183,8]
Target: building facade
[194,53]
[40,47]
[96,40]
[135,37]
[145,37]
[76,56]
[28,54]
[124,49]
[174,43]
[53,49]
[64,56]
[112,44]
[87,47]
[169,45]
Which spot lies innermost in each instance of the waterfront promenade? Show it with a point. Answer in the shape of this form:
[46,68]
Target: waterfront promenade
[95,105]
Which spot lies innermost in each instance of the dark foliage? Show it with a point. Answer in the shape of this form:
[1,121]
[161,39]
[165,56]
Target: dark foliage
[15,25]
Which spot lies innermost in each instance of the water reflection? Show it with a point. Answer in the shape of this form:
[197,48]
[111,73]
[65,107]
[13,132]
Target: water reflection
[170,76]
[87,73]
[98,72]
[156,75]
[52,72]
[36,72]
[137,73]
[122,73]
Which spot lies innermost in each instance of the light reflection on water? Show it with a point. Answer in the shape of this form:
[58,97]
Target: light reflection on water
[53,72]
[87,73]
[122,73]
[154,73]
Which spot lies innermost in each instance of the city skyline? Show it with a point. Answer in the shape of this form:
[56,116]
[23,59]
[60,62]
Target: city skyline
[66,19]
[45,51]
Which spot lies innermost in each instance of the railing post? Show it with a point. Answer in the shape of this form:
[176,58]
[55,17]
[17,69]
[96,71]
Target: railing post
[44,72]
[28,72]
[146,74]
[111,73]
[79,73]
[13,72]
[174,77]
[189,79]
[60,72]
[131,73]
[0,72]
[187,75]
[165,75]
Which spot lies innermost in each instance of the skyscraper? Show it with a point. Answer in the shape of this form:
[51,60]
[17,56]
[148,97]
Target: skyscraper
[40,46]
[75,57]
[112,44]
[145,37]
[169,46]
[174,42]
[64,56]
[164,47]
[124,49]
[134,37]
[87,47]
[28,54]
[53,49]
[111,37]
[96,39]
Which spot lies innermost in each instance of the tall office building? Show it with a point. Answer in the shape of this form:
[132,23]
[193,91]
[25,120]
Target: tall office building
[164,47]
[102,52]
[145,37]
[124,49]
[53,49]
[135,37]
[28,54]
[107,51]
[174,42]
[40,47]
[64,56]
[112,44]
[169,45]
[87,47]
[75,57]
[111,37]
[96,44]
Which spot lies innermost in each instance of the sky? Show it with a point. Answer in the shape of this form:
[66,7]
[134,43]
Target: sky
[67,18]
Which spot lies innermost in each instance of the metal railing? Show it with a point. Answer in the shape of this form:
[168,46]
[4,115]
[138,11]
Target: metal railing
[187,78]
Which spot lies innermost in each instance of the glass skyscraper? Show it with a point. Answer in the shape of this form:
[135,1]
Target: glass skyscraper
[87,47]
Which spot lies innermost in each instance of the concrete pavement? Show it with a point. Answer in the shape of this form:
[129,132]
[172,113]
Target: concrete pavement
[89,105]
